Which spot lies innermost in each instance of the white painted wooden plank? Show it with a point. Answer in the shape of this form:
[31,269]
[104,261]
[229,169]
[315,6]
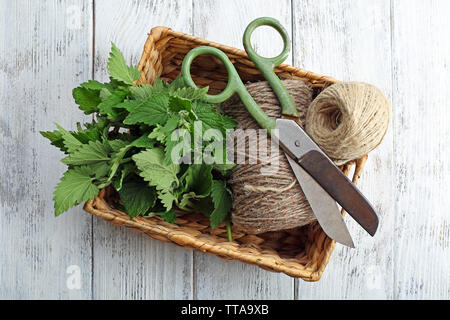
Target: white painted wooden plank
[224,21]
[350,40]
[129,265]
[421,60]
[45,51]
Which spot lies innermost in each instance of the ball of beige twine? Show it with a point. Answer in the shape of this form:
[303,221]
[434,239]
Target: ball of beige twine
[348,120]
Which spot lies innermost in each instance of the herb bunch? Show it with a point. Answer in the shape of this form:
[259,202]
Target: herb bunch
[128,145]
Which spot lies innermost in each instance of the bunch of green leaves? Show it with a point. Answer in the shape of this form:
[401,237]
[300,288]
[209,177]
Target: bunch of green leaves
[129,146]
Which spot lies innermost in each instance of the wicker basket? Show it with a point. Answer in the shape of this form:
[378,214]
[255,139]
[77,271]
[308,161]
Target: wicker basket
[301,252]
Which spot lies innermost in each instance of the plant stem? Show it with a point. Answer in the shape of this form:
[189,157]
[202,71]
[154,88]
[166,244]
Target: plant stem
[186,209]
[230,238]
[125,160]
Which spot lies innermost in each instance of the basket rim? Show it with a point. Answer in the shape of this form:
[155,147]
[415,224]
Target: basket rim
[315,79]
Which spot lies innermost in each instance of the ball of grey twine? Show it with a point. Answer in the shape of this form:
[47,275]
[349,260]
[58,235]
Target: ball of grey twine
[347,120]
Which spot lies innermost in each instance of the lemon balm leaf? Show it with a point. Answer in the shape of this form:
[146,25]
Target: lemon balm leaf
[76,186]
[119,70]
[137,197]
[222,200]
[155,170]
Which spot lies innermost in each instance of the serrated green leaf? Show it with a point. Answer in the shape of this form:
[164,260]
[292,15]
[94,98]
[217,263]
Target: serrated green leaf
[159,86]
[167,199]
[100,124]
[119,70]
[127,169]
[104,93]
[55,138]
[115,84]
[70,142]
[92,85]
[76,186]
[144,142]
[172,138]
[137,197]
[116,159]
[170,125]
[185,199]
[87,99]
[109,104]
[228,122]
[170,157]
[121,148]
[95,130]
[176,84]
[204,205]
[198,179]
[154,169]
[158,134]
[117,145]
[142,92]
[211,119]
[73,140]
[167,131]
[222,200]
[169,216]
[93,152]
[191,93]
[86,135]
[177,104]
[151,111]
[99,169]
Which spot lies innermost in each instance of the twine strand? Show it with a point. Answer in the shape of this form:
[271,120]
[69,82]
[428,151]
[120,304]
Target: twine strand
[348,120]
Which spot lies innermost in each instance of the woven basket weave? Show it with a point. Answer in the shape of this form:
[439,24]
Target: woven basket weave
[301,252]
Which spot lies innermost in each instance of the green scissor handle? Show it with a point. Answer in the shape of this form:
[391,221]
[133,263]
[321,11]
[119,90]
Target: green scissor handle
[235,84]
[266,65]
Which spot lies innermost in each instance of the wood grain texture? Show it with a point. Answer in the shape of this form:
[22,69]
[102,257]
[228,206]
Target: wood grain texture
[224,21]
[129,265]
[350,40]
[45,51]
[421,60]
[48,47]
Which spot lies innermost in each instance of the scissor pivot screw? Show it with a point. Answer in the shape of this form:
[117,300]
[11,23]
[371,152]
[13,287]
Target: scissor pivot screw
[297,143]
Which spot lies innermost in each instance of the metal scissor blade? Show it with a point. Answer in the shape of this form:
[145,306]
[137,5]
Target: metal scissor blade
[296,142]
[323,206]
[341,189]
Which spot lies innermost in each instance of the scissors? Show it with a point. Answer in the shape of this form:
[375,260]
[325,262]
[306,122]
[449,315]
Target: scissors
[321,181]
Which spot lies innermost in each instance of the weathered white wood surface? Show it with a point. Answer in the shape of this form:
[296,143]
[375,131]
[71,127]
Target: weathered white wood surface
[49,47]
[421,77]
[350,40]
[129,265]
[42,55]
